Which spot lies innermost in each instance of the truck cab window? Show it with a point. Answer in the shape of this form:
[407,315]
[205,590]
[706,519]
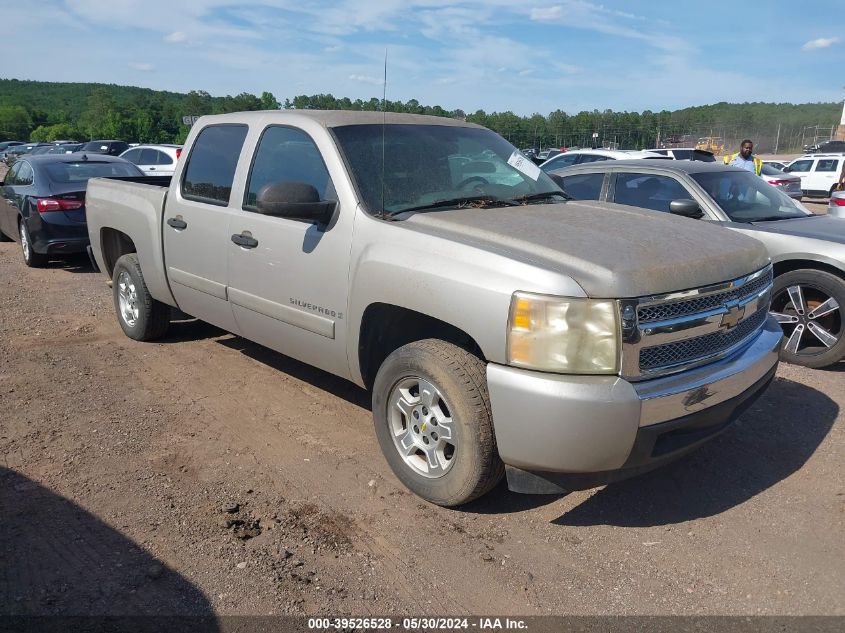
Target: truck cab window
[286,154]
[212,162]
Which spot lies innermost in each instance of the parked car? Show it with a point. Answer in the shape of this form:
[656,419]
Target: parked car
[43,204]
[836,206]
[11,154]
[819,173]
[6,144]
[487,335]
[777,164]
[581,156]
[807,251]
[686,153]
[790,184]
[112,148]
[826,147]
[65,148]
[155,160]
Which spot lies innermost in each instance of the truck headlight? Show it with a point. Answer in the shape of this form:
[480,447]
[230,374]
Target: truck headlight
[561,334]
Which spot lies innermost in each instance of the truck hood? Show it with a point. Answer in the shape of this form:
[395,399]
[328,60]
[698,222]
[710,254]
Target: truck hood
[819,227]
[610,250]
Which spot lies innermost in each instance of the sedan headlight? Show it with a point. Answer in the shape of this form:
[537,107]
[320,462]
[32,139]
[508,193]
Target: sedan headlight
[561,334]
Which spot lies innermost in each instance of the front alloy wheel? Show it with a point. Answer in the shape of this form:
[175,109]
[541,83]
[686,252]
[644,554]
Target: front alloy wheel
[421,426]
[808,306]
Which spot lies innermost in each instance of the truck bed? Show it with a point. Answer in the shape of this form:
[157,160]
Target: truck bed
[130,206]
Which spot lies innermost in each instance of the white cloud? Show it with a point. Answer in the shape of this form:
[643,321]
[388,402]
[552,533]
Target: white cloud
[822,42]
[177,37]
[142,67]
[374,81]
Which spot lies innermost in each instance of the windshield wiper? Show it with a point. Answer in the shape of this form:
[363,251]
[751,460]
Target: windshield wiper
[773,218]
[542,196]
[481,202]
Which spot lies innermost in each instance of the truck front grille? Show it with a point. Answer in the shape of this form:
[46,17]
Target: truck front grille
[675,309]
[693,349]
[676,331]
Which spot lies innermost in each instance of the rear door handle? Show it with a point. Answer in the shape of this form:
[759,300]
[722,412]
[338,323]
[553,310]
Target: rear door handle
[177,223]
[244,241]
[152,168]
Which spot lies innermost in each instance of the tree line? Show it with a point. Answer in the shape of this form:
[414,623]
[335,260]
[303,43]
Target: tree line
[47,111]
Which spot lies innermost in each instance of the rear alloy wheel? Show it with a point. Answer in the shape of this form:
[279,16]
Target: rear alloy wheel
[140,316]
[808,304]
[30,257]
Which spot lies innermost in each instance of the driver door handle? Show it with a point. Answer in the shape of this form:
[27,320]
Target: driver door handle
[177,223]
[244,241]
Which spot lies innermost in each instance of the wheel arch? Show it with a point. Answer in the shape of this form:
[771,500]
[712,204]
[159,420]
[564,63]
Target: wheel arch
[805,263]
[114,244]
[387,327]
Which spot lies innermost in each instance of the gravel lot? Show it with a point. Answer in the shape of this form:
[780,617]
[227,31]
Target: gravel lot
[205,474]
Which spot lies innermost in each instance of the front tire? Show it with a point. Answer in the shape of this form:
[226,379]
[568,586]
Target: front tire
[434,424]
[30,257]
[809,306]
[140,316]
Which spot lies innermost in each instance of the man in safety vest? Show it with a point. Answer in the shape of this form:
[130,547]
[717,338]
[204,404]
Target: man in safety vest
[743,158]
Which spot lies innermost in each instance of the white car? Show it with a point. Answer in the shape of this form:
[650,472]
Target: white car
[819,173]
[581,156]
[154,160]
[836,206]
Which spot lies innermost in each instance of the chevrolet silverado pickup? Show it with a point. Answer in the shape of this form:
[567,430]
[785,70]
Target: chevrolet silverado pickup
[501,327]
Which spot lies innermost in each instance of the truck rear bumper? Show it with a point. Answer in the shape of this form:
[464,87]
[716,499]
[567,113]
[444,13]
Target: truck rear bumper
[555,431]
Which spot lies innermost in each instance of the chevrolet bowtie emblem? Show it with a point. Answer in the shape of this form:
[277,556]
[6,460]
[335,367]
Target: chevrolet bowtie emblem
[733,316]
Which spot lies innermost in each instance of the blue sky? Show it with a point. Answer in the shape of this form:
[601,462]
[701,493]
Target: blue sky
[526,56]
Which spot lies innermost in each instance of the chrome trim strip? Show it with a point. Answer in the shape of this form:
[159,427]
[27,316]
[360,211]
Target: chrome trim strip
[673,397]
[703,291]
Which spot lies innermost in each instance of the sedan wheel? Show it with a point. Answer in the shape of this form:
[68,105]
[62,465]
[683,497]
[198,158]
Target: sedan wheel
[808,306]
[30,257]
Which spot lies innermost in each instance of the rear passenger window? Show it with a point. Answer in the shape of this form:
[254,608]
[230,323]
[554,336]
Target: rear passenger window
[212,162]
[24,176]
[584,186]
[287,154]
[163,158]
[648,192]
[133,156]
[827,165]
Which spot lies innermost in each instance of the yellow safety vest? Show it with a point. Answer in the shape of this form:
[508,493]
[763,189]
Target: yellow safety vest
[758,164]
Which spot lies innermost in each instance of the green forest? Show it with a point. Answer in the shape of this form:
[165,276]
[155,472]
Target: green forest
[47,111]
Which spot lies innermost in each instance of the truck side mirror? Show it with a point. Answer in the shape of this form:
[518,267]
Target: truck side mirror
[686,208]
[295,201]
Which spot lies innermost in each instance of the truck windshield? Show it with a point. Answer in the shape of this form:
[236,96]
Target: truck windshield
[745,197]
[435,167]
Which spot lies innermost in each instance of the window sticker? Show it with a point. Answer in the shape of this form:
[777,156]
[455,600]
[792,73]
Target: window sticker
[523,164]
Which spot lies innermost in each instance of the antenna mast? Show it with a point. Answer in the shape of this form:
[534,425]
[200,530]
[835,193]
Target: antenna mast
[383,127]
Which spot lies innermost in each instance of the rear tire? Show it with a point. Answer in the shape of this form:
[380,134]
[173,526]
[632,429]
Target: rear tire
[810,306]
[30,257]
[450,456]
[140,316]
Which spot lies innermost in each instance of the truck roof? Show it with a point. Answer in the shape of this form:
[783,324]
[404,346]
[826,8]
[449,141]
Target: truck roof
[333,118]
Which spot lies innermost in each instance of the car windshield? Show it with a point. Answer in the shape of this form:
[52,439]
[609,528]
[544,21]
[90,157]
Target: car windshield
[745,197]
[83,170]
[96,146]
[428,167]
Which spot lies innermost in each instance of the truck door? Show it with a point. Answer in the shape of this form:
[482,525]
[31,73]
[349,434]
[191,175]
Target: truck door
[196,225]
[288,279]
[825,174]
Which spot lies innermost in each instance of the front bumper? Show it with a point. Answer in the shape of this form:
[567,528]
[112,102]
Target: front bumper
[555,431]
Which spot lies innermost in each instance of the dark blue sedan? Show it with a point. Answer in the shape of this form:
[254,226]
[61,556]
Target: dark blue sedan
[43,204]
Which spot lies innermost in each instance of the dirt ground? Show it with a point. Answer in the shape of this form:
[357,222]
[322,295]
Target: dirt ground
[204,474]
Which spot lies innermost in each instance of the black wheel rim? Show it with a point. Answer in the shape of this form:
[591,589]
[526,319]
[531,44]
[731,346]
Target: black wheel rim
[811,319]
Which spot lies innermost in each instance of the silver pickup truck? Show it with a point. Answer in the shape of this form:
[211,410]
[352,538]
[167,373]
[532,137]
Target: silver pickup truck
[499,326]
